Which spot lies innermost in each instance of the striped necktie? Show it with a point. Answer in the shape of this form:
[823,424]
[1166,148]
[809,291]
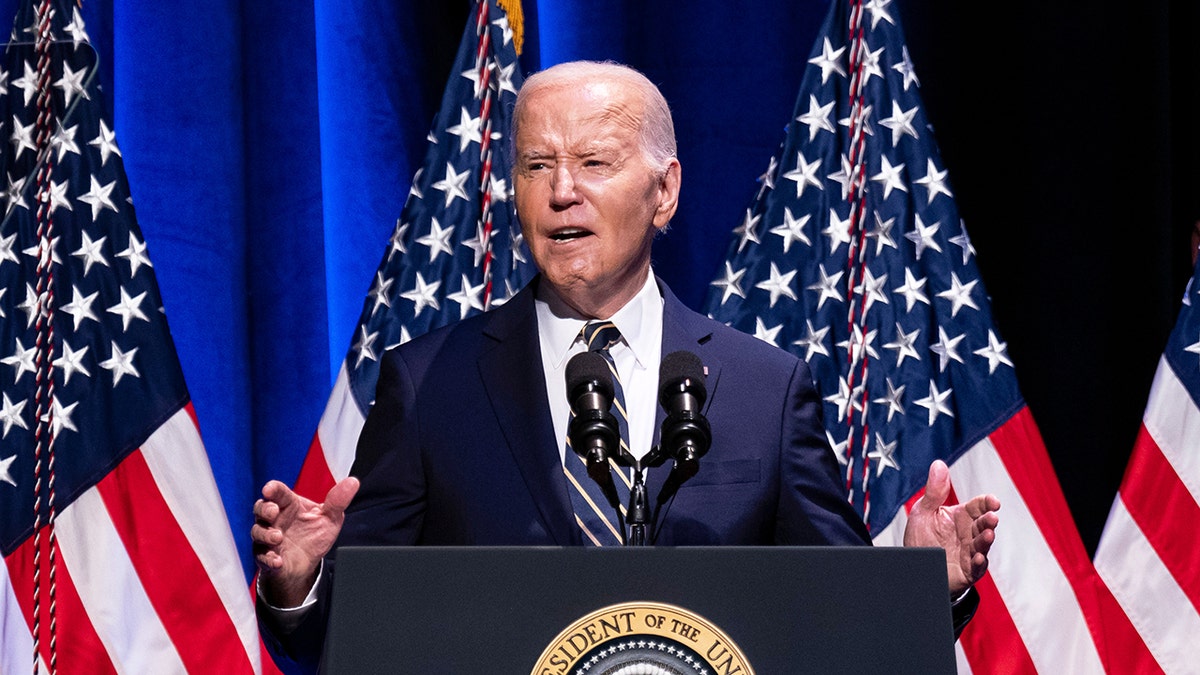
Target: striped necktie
[593,513]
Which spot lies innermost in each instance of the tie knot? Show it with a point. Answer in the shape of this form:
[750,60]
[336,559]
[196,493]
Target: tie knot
[600,335]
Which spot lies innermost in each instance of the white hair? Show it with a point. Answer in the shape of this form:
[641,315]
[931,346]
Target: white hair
[657,132]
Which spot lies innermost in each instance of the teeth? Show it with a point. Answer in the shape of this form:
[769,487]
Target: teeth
[568,234]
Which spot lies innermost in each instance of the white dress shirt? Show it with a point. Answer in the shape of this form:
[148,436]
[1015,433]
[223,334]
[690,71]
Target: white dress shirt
[636,356]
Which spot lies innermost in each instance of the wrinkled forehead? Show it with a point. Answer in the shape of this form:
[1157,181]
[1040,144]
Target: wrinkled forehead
[571,108]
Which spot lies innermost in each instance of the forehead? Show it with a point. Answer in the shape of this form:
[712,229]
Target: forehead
[575,112]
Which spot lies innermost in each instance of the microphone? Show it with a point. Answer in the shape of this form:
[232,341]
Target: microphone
[685,433]
[593,430]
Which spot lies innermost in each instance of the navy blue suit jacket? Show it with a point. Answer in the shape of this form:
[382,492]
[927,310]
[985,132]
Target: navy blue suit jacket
[459,448]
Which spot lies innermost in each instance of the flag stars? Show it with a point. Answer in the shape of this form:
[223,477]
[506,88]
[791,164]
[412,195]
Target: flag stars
[904,344]
[879,12]
[479,244]
[946,348]
[827,285]
[1193,348]
[396,245]
[99,197]
[135,254]
[870,63]
[841,399]
[438,240]
[805,174]
[746,230]
[913,290]
[5,468]
[90,252]
[423,294]
[453,185]
[964,242]
[71,83]
[76,29]
[894,399]
[6,249]
[44,254]
[80,307]
[959,294]
[129,308]
[14,195]
[995,352]
[905,68]
[830,62]
[934,181]
[762,332]
[890,177]
[120,364]
[363,346]
[22,138]
[467,130]
[21,360]
[106,142]
[468,297]
[792,229]
[778,285]
[859,344]
[838,231]
[71,362]
[58,196]
[884,454]
[380,291]
[814,341]
[28,83]
[64,141]
[10,416]
[901,123]
[882,234]
[817,117]
[730,283]
[935,402]
[922,236]
[59,417]
[872,289]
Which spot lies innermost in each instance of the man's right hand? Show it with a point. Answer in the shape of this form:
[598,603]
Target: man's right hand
[291,535]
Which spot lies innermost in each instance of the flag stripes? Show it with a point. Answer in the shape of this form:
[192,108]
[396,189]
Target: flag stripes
[122,553]
[1151,567]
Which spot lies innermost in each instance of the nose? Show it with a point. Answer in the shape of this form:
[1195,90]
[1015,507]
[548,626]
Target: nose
[562,185]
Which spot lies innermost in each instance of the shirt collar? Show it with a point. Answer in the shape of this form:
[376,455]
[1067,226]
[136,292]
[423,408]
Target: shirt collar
[639,320]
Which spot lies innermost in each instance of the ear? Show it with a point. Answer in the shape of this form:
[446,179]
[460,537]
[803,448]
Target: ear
[668,195]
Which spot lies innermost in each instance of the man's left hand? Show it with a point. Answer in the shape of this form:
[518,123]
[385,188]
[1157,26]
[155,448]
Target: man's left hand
[966,531]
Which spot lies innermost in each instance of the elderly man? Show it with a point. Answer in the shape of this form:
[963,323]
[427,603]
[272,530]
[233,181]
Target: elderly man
[596,179]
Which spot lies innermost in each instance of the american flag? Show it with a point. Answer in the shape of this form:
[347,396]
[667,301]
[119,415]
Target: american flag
[118,555]
[1146,555]
[853,256]
[456,249]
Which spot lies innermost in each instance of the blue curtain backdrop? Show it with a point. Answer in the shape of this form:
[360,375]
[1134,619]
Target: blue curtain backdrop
[270,146]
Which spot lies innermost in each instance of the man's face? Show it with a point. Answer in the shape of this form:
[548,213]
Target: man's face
[588,202]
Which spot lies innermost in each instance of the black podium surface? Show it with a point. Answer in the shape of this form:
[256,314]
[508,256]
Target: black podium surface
[721,611]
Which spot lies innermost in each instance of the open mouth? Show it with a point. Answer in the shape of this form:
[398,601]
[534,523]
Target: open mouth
[569,234]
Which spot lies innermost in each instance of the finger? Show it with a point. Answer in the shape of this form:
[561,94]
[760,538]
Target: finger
[937,485]
[266,512]
[279,493]
[267,536]
[341,494]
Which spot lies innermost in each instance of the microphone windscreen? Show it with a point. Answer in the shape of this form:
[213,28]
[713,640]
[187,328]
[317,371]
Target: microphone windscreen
[588,367]
[679,366]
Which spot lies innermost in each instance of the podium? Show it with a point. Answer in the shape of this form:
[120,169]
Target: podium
[716,610]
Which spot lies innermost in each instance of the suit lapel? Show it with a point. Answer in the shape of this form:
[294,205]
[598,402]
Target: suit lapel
[512,374]
[683,330]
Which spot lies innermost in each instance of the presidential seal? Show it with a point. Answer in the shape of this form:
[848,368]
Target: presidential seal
[642,638]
